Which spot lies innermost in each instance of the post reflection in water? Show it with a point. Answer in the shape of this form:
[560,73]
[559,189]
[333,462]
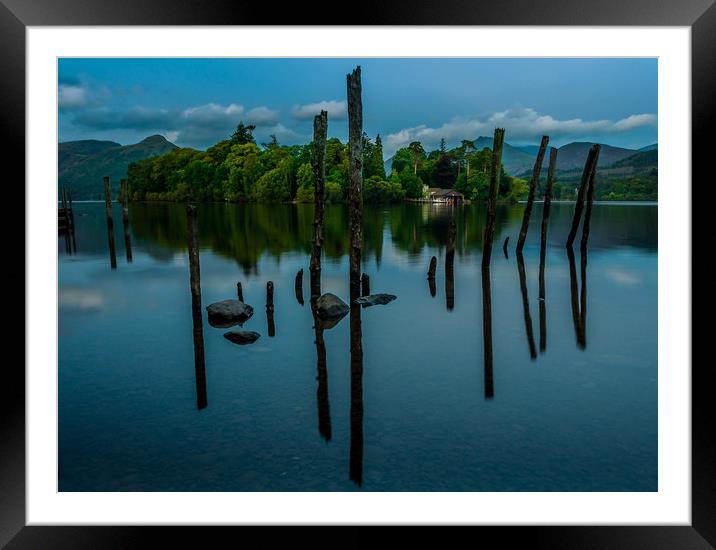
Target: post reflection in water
[542,304]
[487,331]
[356,345]
[526,305]
[196,316]
[579,311]
[324,409]
[449,262]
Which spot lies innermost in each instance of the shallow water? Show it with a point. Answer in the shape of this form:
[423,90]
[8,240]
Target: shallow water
[420,412]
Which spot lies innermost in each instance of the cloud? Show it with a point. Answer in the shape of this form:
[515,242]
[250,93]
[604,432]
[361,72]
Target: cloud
[521,124]
[262,116]
[71,97]
[335,109]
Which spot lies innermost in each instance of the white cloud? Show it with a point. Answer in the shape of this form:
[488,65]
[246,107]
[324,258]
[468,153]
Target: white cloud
[521,124]
[335,109]
[262,116]
[71,97]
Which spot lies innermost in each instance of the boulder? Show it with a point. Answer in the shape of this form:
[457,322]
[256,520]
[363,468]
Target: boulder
[229,313]
[375,299]
[242,337]
[330,306]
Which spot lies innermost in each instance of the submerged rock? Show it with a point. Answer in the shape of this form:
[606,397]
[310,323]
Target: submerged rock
[242,337]
[330,306]
[375,299]
[228,313]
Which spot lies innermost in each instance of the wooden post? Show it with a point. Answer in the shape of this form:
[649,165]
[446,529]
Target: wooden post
[526,305]
[72,212]
[355,177]
[449,262]
[298,286]
[196,314]
[531,196]
[543,248]
[487,332]
[110,223]
[269,309]
[589,165]
[590,200]
[504,247]
[356,411]
[320,129]
[239,291]
[492,200]
[125,221]
[365,285]
[432,267]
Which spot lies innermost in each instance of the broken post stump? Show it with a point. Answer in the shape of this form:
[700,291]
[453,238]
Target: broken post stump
[590,200]
[589,165]
[239,291]
[432,267]
[110,222]
[320,129]
[531,195]
[269,309]
[364,285]
[492,200]
[298,286]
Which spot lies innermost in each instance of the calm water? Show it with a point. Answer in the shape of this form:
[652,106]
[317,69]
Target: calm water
[422,411]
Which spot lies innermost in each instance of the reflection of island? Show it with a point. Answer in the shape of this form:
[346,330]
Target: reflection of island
[356,346]
[245,232]
[196,315]
[449,265]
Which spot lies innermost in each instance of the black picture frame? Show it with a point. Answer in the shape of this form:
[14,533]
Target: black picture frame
[16,15]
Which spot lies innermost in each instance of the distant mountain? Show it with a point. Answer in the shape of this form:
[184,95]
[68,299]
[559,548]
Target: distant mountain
[648,158]
[82,164]
[651,147]
[573,155]
[516,160]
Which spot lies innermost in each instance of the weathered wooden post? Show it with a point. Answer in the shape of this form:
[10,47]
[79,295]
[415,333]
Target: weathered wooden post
[298,286]
[320,129]
[487,332]
[110,222]
[492,200]
[355,177]
[365,285]
[269,309]
[543,248]
[589,165]
[239,291]
[531,195]
[196,314]
[449,263]
[356,411]
[125,220]
[590,200]
[526,305]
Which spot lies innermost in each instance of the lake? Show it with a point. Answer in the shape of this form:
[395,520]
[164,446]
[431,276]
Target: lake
[568,403]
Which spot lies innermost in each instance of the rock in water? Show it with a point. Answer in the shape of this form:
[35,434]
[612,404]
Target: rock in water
[229,313]
[375,299]
[330,306]
[242,337]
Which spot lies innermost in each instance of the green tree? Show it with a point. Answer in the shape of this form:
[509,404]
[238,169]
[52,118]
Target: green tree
[243,134]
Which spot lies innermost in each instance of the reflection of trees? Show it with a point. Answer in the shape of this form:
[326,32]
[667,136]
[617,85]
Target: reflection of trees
[244,232]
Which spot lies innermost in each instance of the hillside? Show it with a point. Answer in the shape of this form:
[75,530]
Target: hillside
[82,164]
[573,155]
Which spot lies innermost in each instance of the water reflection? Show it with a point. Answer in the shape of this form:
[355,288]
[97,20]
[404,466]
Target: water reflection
[487,332]
[324,408]
[526,305]
[578,300]
[356,413]
[196,314]
[449,263]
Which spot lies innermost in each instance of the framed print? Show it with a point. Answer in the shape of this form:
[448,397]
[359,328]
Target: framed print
[426,270]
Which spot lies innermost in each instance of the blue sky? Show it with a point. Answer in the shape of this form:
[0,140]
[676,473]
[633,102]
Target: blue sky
[197,102]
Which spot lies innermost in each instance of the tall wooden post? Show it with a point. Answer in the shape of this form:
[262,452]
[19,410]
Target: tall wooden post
[355,177]
[320,129]
[125,220]
[543,248]
[110,222]
[590,200]
[364,285]
[589,165]
[196,314]
[492,200]
[531,196]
